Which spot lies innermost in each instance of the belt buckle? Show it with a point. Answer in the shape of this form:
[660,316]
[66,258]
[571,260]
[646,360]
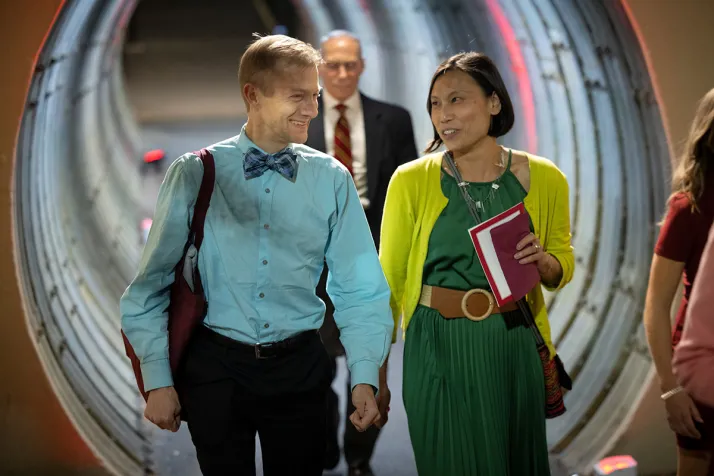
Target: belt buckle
[464,309]
[258,355]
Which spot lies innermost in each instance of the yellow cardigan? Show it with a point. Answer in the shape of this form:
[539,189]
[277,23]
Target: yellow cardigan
[415,201]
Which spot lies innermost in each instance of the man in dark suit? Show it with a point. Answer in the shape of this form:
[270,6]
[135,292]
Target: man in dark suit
[371,138]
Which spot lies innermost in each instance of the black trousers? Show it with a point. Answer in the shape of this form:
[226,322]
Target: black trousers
[358,447]
[229,395]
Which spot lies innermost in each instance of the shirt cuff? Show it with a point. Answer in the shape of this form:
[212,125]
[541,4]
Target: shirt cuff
[156,374]
[365,372]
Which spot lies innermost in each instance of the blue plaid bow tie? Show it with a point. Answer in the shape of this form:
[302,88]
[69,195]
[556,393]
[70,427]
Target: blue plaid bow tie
[257,162]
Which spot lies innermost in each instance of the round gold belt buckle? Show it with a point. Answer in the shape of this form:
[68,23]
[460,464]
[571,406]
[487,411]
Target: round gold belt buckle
[465,310]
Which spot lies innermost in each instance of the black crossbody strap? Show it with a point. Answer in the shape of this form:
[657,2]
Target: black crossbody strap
[522,304]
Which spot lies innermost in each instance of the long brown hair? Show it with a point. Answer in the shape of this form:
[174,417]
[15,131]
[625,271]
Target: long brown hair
[698,154]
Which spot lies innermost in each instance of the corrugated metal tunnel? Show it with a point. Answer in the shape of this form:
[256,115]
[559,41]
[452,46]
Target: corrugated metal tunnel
[582,86]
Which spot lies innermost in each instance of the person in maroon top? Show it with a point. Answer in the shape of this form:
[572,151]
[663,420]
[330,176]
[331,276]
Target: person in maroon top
[679,248]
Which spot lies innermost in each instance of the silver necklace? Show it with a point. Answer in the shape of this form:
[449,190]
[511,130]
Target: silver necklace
[494,186]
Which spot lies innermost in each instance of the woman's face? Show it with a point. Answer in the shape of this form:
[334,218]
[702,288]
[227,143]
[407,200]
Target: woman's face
[460,110]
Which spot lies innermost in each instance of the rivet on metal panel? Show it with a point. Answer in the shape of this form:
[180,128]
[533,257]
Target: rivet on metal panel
[41,331]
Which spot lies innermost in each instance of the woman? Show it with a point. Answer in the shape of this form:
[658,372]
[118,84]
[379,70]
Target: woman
[676,256]
[473,390]
[694,356]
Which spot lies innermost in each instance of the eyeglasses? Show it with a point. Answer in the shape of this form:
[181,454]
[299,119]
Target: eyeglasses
[334,66]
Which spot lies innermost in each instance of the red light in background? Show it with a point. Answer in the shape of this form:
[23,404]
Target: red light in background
[614,463]
[519,67]
[154,155]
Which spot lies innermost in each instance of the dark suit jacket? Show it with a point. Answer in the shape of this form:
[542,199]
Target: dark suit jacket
[389,143]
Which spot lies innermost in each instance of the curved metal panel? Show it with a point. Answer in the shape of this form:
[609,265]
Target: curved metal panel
[579,83]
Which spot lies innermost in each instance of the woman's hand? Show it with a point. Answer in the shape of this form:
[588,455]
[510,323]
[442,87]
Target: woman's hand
[531,251]
[682,415]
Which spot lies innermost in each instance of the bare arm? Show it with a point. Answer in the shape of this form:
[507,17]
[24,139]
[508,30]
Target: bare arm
[665,275]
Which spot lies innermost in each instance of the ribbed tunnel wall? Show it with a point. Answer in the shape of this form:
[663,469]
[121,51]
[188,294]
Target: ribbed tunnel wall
[584,98]
[77,243]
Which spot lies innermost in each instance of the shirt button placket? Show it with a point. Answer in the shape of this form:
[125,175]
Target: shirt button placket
[265,203]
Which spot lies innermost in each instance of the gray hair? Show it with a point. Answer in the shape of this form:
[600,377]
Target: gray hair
[339,34]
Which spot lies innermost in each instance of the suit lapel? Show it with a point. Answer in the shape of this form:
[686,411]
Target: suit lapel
[316,130]
[373,142]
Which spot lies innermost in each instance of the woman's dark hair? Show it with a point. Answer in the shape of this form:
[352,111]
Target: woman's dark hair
[482,69]
[690,174]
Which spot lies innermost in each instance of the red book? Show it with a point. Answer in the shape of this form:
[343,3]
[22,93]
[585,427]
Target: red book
[495,241]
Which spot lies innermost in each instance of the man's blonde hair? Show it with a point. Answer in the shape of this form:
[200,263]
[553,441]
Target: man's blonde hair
[267,55]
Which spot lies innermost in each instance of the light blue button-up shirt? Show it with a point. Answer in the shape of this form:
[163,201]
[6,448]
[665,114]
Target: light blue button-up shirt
[264,244]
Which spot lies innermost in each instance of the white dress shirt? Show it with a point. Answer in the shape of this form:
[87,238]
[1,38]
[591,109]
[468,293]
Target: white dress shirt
[355,118]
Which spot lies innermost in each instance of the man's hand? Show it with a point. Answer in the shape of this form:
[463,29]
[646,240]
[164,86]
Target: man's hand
[163,409]
[383,400]
[366,413]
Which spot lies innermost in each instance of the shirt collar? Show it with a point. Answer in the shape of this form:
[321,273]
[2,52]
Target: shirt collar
[244,143]
[354,102]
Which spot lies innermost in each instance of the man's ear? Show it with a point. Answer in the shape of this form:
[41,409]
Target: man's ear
[251,95]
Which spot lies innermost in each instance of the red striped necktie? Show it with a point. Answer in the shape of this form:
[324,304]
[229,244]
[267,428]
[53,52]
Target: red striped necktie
[343,144]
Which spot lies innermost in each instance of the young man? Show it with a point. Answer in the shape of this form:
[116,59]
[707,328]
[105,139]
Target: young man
[372,139]
[278,211]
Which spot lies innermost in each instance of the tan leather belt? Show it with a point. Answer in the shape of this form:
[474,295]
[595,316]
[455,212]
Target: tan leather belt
[475,304]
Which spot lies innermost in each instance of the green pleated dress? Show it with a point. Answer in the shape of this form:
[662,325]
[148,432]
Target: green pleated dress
[473,391]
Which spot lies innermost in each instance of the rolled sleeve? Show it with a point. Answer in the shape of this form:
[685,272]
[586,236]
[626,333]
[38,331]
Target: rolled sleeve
[357,286]
[143,306]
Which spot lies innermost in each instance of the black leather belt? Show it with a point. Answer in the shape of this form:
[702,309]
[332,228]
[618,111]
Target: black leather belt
[262,351]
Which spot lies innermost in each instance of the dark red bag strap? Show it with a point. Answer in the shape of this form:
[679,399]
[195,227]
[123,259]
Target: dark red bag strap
[204,198]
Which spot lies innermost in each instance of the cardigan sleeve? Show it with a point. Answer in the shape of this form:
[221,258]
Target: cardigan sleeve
[395,242]
[558,235]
